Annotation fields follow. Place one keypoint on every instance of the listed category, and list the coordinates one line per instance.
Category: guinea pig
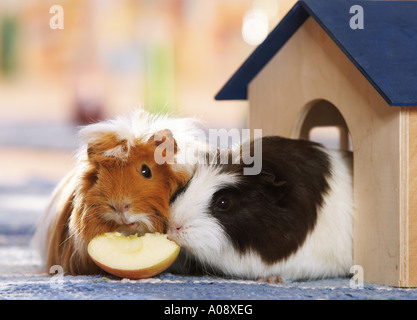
(116, 185)
(292, 221)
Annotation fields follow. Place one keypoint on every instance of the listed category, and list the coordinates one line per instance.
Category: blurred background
(66, 63)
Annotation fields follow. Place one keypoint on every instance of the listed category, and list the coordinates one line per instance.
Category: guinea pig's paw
(271, 279)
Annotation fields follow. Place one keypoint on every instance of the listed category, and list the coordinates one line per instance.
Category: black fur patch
(273, 212)
(178, 192)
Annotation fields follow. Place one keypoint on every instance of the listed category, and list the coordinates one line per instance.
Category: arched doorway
(322, 122)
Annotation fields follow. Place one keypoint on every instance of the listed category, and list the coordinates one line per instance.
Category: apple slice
(132, 256)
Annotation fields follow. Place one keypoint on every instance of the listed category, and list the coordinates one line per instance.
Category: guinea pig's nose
(177, 228)
(126, 207)
(174, 232)
(121, 207)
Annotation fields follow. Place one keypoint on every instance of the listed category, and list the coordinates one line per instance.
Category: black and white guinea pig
(292, 221)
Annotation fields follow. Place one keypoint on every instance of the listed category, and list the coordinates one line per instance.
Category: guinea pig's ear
(272, 179)
(277, 186)
(166, 146)
(107, 146)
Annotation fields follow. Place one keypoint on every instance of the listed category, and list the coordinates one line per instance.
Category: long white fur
(327, 251)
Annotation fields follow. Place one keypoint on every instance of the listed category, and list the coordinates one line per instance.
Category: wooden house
(321, 66)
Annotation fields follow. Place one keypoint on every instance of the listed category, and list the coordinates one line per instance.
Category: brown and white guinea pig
(116, 185)
(291, 221)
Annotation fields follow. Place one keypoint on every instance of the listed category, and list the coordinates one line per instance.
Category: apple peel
(133, 257)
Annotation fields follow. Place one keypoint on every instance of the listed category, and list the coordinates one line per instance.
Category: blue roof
(385, 51)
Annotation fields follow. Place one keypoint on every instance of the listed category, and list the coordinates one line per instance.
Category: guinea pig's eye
(223, 204)
(145, 171)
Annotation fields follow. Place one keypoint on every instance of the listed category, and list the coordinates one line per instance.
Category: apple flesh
(133, 257)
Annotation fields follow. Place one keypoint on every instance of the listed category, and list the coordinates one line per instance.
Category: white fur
(327, 251)
(189, 212)
(143, 220)
(130, 218)
(60, 195)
